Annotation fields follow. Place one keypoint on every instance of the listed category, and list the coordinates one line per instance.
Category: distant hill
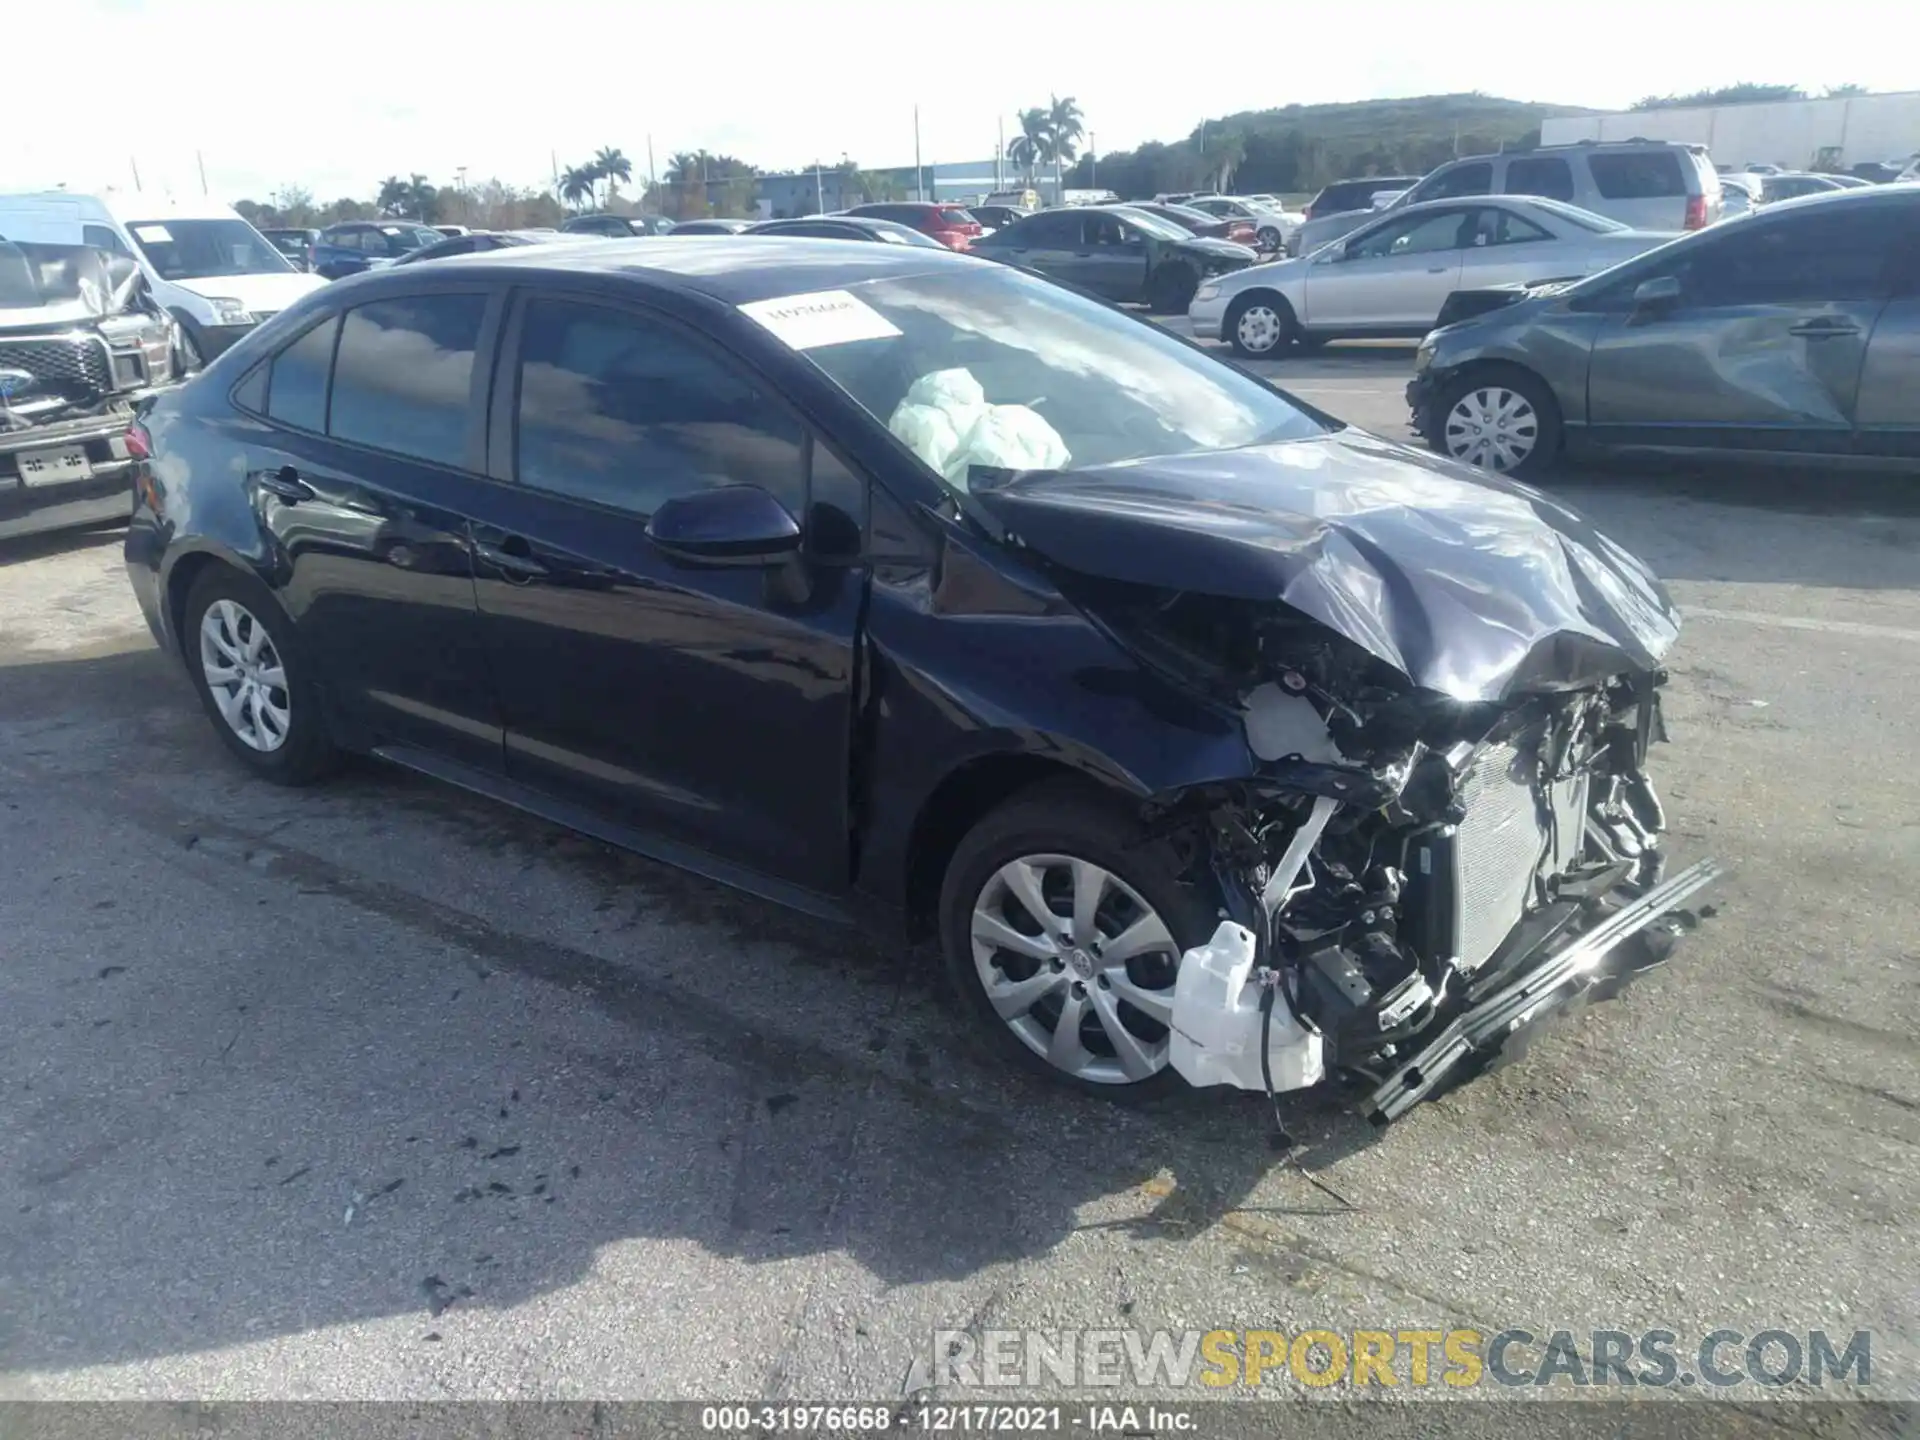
(1299, 148)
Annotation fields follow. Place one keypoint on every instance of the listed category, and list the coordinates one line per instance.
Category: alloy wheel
(1492, 427)
(1079, 967)
(1260, 329)
(245, 675)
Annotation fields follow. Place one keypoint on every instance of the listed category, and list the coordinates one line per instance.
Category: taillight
(139, 443)
(1307, 213)
(1696, 213)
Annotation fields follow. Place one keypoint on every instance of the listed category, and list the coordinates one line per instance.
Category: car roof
(1898, 193)
(751, 268)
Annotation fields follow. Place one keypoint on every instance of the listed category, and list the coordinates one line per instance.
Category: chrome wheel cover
(1259, 328)
(1492, 427)
(1078, 965)
(245, 676)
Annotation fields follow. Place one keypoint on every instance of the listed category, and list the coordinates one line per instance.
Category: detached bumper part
(1559, 978)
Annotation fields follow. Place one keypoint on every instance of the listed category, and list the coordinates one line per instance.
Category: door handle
(1823, 329)
(284, 484)
(1438, 269)
(508, 561)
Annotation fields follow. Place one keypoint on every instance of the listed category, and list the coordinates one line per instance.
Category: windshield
(197, 249)
(1155, 225)
(993, 367)
(1574, 215)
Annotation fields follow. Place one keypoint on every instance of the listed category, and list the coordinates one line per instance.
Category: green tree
(1846, 92)
(423, 200)
(1065, 130)
(393, 196)
(1029, 147)
(576, 184)
(613, 167)
(1745, 93)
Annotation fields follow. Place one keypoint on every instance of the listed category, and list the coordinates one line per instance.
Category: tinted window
(1474, 179)
(1504, 227)
(1419, 236)
(1638, 175)
(624, 412)
(1106, 230)
(1549, 176)
(1835, 256)
(404, 374)
(297, 381)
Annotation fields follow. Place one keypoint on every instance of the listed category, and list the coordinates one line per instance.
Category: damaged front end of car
(1449, 687)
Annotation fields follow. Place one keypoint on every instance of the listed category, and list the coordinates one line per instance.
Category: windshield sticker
(153, 234)
(825, 317)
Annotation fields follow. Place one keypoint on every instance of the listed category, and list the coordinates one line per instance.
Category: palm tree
(576, 184)
(1029, 147)
(613, 166)
(1224, 156)
(393, 197)
(423, 201)
(1064, 131)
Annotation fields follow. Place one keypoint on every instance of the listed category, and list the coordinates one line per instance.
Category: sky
(332, 95)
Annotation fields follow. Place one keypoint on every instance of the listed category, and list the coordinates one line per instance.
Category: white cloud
(334, 94)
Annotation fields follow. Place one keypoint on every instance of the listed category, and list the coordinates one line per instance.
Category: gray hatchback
(1793, 331)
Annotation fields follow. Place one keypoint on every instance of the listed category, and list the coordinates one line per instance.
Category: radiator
(1502, 846)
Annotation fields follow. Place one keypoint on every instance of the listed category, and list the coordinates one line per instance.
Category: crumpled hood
(1213, 248)
(1473, 585)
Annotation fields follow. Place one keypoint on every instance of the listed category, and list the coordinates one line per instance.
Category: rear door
(1393, 276)
(371, 450)
(1764, 349)
(709, 705)
(1049, 242)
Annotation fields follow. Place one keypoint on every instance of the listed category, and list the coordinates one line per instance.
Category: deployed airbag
(946, 420)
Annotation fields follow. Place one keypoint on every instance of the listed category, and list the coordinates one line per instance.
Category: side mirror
(731, 525)
(1658, 294)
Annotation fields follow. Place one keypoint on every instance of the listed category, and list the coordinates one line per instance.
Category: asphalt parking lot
(377, 1090)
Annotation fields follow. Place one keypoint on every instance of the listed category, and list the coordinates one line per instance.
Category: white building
(1794, 134)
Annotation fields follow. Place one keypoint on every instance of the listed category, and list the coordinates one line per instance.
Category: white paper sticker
(825, 317)
(155, 234)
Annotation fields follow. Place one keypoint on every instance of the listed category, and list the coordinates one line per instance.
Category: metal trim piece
(1507, 1009)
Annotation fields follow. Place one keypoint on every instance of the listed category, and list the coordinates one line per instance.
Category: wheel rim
(1078, 965)
(245, 675)
(1492, 427)
(1259, 327)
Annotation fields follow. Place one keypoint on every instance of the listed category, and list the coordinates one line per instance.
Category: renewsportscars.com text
(1456, 1358)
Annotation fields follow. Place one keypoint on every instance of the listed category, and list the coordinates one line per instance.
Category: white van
(216, 274)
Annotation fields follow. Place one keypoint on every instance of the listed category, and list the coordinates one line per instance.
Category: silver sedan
(1390, 277)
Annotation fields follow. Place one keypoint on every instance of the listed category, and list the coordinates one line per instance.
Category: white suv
(1647, 184)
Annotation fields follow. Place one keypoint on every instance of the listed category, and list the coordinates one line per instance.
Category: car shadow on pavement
(276, 1061)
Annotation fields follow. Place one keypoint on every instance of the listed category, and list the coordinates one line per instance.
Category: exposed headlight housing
(1423, 357)
(228, 311)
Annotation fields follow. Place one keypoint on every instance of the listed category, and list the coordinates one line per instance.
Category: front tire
(1062, 926)
(1260, 325)
(1500, 419)
(254, 678)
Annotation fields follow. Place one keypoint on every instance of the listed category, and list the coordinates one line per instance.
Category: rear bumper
(1568, 974)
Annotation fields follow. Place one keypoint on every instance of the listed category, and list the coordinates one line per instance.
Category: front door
(1394, 276)
(1764, 346)
(371, 452)
(1112, 260)
(711, 705)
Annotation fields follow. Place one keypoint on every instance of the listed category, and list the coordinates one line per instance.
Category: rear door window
(1499, 226)
(297, 379)
(1638, 175)
(1046, 232)
(403, 378)
(1546, 175)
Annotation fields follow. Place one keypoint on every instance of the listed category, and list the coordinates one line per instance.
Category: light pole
(460, 179)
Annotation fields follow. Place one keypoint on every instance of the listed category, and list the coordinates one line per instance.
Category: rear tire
(1260, 325)
(1269, 239)
(254, 678)
(1065, 846)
